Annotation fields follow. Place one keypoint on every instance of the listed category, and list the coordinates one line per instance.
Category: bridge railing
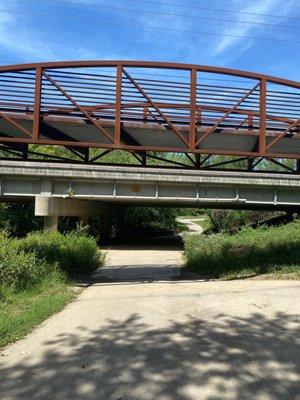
(195, 106)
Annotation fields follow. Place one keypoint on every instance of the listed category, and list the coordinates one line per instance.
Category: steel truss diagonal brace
(213, 128)
(157, 109)
(293, 125)
(81, 109)
(15, 124)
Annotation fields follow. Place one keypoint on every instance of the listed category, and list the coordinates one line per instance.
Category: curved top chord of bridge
(149, 106)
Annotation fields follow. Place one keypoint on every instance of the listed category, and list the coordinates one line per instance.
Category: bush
(33, 273)
(19, 269)
(254, 250)
(24, 262)
(136, 219)
(232, 221)
(75, 253)
(18, 219)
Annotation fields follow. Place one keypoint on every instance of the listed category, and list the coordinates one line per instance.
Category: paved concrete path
(142, 261)
(162, 339)
(193, 228)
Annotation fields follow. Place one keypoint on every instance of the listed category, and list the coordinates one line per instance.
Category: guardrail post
(37, 104)
(193, 108)
(118, 106)
(262, 117)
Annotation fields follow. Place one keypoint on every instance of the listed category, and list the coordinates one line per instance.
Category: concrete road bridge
(83, 190)
(152, 110)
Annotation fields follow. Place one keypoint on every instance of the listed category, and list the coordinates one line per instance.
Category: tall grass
(75, 252)
(259, 250)
(19, 269)
(24, 262)
(22, 310)
(34, 277)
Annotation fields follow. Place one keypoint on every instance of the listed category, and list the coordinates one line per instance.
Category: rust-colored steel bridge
(149, 108)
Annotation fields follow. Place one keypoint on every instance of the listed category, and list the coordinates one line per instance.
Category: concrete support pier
(51, 208)
(50, 223)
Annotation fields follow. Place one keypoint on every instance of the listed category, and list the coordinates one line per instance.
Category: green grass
(34, 276)
(74, 253)
(21, 311)
(279, 272)
(273, 252)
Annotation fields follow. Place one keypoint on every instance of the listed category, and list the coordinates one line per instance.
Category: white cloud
(15, 39)
(245, 30)
(207, 48)
(28, 43)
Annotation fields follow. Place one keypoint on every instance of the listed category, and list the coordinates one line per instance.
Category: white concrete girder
(59, 207)
(92, 190)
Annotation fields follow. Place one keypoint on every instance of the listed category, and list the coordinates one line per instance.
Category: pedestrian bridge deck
(148, 106)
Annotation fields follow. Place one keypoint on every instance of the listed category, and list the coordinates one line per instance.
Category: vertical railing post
(118, 105)
(250, 122)
(193, 108)
(145, 113)
(262, 116)
(37, 104)
(199, 116)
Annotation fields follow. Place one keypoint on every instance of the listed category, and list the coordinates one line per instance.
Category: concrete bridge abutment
(51, 208)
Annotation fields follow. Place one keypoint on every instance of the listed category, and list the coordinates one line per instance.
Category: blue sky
(48, 30)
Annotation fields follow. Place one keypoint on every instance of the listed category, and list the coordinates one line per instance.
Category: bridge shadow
(141, 259)
(226, 358)
(136, 273)
(163, 242)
